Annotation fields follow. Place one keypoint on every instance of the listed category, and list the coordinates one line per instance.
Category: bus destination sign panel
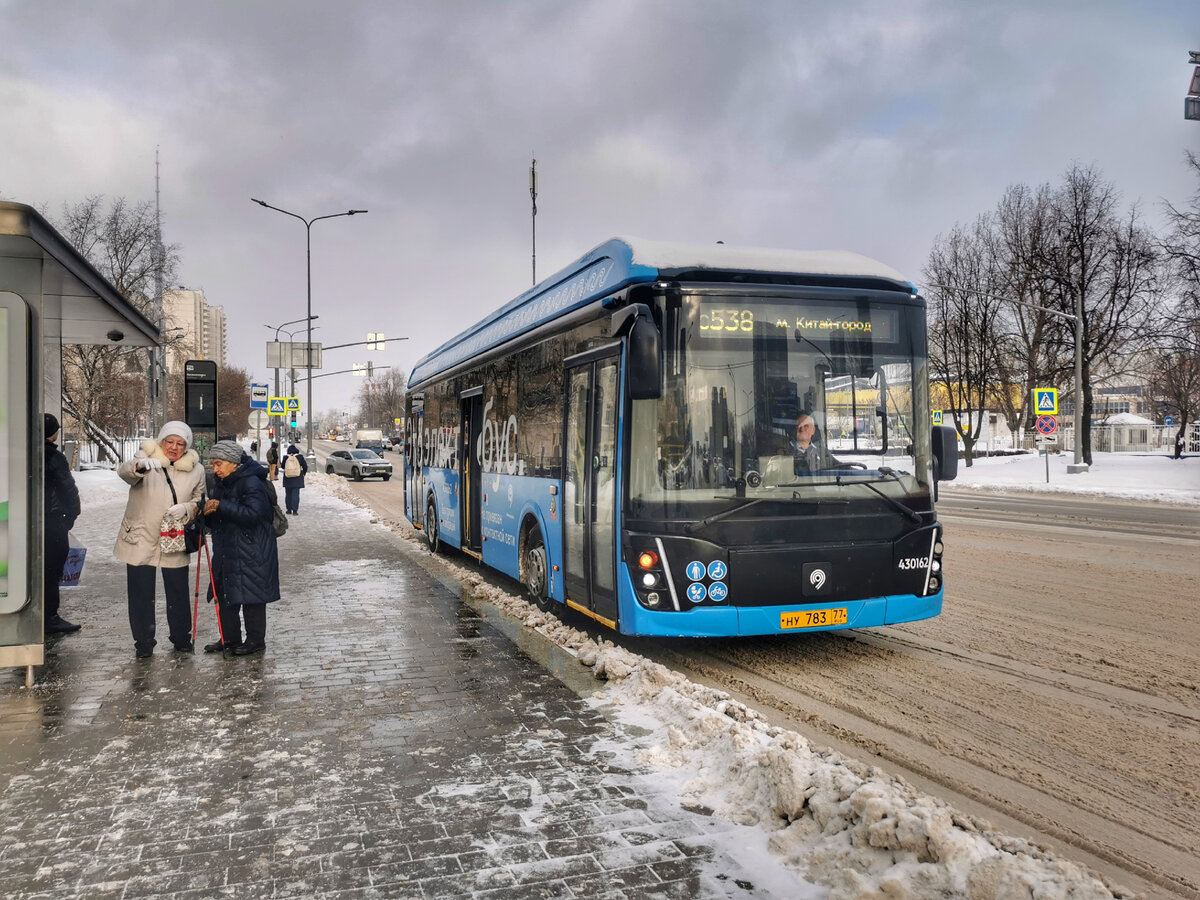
(732, 320)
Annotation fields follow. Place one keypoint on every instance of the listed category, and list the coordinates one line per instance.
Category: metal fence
(91, 454)
(1128, 438)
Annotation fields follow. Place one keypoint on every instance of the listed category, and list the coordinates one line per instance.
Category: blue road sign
(258, 396)
(278, 407)
(717, 570)
(696, 592)
(293, 403)
(1045, 401)
(695, 571)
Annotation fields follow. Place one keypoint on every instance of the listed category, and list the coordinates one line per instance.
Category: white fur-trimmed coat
(149, 500)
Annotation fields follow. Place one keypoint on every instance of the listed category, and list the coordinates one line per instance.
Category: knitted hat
(230, 451)
(179, 429)
(51, 426)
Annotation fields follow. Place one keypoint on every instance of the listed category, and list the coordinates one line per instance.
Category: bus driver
(808, 453)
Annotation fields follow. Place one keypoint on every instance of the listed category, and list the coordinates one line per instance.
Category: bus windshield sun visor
(643, 351)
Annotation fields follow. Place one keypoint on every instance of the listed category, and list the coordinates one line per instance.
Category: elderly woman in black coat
(245, 562)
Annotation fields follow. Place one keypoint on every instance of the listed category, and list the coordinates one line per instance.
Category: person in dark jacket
(245, 563)
(62, 509)
(293, 483)
(273, 460)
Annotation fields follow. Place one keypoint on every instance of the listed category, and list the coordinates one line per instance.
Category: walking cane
(199, 560)
(216, 599)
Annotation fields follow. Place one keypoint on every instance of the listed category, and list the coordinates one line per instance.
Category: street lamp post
(279, 328)
(308, 260)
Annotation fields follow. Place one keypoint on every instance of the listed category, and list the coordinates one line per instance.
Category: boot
(56, 624)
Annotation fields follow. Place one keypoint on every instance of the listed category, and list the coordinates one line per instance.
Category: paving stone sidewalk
(389, 743)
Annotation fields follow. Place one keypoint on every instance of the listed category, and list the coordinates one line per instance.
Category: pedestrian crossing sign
(277, 406)
(937, 417)
(1045, 401)
(293, 403)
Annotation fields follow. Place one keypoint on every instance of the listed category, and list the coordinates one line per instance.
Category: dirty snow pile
(844, 825)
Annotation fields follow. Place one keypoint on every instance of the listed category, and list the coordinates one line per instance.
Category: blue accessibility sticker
(717, 570)
(695, 571)
(696, 592)
(717, 591)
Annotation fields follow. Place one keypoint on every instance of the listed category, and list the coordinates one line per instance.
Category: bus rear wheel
(536, 571)
(432, 540)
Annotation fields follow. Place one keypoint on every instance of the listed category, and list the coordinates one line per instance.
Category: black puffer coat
(246, 556)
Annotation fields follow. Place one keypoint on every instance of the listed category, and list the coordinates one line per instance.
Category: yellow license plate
(813, 618)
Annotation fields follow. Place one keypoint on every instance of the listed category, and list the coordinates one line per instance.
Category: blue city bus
(627, 438)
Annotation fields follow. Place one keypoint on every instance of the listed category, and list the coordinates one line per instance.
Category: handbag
(175, 536)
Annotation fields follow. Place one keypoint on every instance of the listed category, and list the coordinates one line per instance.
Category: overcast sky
(868, 126)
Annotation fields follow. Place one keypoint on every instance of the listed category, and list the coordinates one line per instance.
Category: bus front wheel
(537, 571)
(431, 527)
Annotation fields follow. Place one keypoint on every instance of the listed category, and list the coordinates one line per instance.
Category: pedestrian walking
(166, 485)
(245, 564)
(295, 467)
(273, 460)
(62, 509)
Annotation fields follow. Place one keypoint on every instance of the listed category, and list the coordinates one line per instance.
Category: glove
(179, 511)
(147, 465)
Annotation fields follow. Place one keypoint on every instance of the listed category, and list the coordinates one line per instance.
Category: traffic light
(293, 423)
(271, 431)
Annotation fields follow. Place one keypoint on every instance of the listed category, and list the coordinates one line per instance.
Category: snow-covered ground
(834, 827)
(1128, 475)
(846, 829)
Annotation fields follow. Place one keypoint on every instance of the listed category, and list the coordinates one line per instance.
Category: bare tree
(381, 400)
(121, 240)
(1108, 266)
(1175, 372)
(1027, 360)
(1182, 248)
(966, 314)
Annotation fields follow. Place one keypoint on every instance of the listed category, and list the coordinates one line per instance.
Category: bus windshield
(799, 394)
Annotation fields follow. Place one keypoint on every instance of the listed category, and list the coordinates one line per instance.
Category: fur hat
(179, 429)
(230, 451)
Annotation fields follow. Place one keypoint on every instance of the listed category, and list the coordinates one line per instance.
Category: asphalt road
(1057, 696)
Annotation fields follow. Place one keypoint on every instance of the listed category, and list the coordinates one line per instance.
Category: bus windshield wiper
(889, 473)
(693, 527)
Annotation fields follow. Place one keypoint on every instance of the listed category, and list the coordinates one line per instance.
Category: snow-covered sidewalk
(1126, 475)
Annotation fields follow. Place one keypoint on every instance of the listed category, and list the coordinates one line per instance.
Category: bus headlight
(649, 579)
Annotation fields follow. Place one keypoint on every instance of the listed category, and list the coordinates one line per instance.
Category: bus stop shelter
(49, 296)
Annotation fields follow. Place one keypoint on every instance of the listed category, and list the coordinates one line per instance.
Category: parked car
(358, 464)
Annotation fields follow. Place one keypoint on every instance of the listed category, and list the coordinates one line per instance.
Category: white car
(358, 464)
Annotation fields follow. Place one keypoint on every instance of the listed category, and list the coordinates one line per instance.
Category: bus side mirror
(642, 351)
(945, 453)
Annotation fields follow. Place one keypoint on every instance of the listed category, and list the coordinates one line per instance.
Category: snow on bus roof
(620, 262)
(670, 255)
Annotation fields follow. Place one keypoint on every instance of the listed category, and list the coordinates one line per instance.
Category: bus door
(471, 484)
(590, 485)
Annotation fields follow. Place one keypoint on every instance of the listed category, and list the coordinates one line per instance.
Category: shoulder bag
(177, 537)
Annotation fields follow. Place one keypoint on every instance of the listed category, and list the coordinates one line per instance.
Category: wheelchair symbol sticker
(717, 591)
(695, 571)
(717, 570)
(696, 592)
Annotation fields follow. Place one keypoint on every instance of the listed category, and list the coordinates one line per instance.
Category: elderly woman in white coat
(166, 479)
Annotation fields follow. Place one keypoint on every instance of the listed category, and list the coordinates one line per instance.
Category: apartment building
(192, 328)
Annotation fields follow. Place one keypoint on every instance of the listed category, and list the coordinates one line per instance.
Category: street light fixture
(308, 256)
(279, 328)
